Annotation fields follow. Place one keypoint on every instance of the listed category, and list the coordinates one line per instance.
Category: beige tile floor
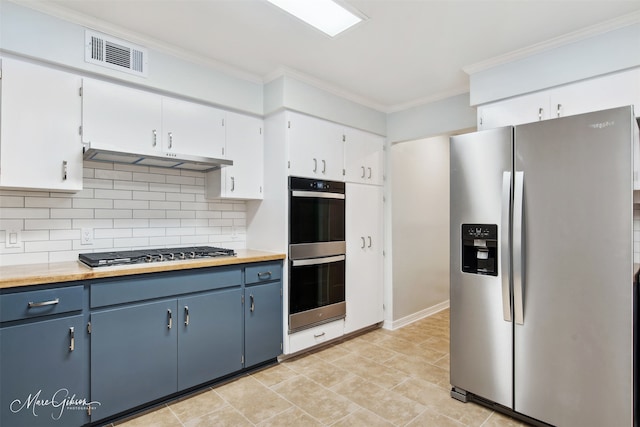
(381, 378)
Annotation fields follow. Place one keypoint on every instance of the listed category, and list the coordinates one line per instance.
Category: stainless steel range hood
(160, 160)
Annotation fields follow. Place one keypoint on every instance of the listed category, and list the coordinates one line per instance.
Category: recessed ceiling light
(326, 15)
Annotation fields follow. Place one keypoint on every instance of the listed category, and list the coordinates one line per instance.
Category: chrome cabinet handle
(253, 303)
(44, 303)
(559, 109)
(155, 137)
(170, 140)
(170, 317)
(370, 243)
(233, 184)
(264, 275)
(318, 335)
(186, 315)
(362, 171)
(540, 111)
(72, 339)
(315, 165)
(324, 166)
(65, 170)
(369, 173)
(363, 242)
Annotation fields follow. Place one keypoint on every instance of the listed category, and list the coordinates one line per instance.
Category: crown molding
(575, 36)
(460, 90)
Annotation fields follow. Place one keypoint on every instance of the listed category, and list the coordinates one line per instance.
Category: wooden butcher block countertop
(37, 274)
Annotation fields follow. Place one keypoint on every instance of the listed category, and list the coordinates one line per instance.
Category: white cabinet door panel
(363, 157)
(40, 119)
(121, 117)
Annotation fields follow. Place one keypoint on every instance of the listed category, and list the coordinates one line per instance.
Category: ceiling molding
(324, 86)
(428, 100)
(148, 42)
(585, 33)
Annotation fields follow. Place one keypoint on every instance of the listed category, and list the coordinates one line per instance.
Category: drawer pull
(72, 339)
(44, 303)
(318, 335)
(264, 275)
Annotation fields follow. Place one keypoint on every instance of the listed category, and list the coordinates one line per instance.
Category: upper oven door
(316, 218)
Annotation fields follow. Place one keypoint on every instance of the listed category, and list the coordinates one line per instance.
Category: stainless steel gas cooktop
(104, 259)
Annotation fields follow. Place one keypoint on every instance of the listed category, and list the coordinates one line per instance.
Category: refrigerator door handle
(518, 250)
(504, 246)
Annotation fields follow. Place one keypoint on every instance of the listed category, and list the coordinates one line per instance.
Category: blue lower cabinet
(263, 322)
(210, 336)
(44, 373)
(134, 354)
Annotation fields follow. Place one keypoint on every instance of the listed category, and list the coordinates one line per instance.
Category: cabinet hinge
(280, 291)
(344, 138)
(289, 165)
(222, 122)
(289, 124)
(89, 327)
(261, 189)
(80, 91)
(89, 410)
(260, 131)
(80, 130)
(242, 359)
(344, 172)
(280, 345)
(242, 299)
(223, 151)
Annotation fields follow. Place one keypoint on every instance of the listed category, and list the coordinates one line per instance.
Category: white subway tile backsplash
(126, 207)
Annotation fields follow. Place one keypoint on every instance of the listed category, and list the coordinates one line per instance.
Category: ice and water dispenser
(480, 249)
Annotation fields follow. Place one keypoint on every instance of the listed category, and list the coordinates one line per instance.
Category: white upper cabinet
(316, 148)
(121, 117)
(132, 120)
(40, 145)
(600, 93)
(245, 179)
(363, 157)
(195, 129)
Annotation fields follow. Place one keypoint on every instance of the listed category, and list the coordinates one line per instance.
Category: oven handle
(315, 261)
(317, 194)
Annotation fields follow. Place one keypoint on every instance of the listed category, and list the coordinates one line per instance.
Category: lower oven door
(316, 291)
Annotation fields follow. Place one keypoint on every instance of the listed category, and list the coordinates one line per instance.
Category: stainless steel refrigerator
(542, 307)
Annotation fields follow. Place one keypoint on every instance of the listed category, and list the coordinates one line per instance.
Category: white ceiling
(406, 52)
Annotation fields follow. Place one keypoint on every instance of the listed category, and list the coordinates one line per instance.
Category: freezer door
(481, 338)
(573, 350)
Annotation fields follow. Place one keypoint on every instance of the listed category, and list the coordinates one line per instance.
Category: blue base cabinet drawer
(44, 374)
(44, 302)
(263, 272)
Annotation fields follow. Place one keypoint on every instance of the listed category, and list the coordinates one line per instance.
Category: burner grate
(104, 259)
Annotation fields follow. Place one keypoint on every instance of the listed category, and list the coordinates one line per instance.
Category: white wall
(127, 207)
(597, 55)
(419, 179)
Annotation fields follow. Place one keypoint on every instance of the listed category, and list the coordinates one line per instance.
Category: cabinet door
(243, 180)
(364, 275)
(515, 111)
(40, 147)
(316, 148)
(134, 351)
(121, 117)
(190, 128)
(210, 338)
(38, 363)
(263, 322)
(363, 157)
(615, 90)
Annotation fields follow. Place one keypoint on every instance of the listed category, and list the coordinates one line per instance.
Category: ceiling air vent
(114, 53)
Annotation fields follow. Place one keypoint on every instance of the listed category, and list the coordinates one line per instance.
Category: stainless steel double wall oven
(316, 252)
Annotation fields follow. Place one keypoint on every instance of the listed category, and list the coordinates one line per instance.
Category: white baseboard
(430, 311)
